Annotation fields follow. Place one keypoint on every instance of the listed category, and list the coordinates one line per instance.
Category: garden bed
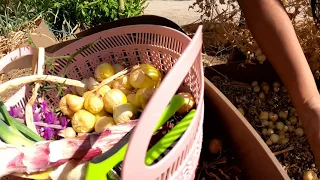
(291, 147)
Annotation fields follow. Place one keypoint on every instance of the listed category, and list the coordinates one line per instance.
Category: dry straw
(15, 39)
(225, 28)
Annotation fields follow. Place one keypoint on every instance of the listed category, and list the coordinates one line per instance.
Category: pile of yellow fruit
(117, 102)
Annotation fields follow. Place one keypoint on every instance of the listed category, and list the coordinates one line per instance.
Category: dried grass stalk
(109, 79)
(15, 39)
(225, 28)
(33, 78)
(38, 62)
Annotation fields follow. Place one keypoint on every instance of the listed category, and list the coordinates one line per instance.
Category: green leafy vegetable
(12, 138)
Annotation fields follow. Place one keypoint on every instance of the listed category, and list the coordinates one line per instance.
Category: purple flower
(49, 117)
(38, 128)
(36, 117)
(64, 122)
(16, 112)
(44, 106)
(12, 111)
(48, 133)
(55, 119)
(56, 122)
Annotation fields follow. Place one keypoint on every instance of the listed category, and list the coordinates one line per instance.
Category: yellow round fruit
(136, 100)
(103, 123)
(103, 71)
(113, 98)
(102, 91)
(86, 94)
(122, 82)
(130, 98)
(143, 96)
(189, 103)
(63, 106)
(124, 90)
(83, 121)
(93, 104)
(145, 76)
(74, 102)
(100, 114)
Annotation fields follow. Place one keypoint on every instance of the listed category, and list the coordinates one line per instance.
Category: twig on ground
(283, 151)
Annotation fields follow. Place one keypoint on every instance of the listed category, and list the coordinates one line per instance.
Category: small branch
(28, 109)
(55, 126)
(69, 57)
(238, 83)
(226, 176)
(29, 79)
(35, 62)
(283, 151)
(109, 79)
(38, 61)
(219, 73)
(58, 57)
(213, 175)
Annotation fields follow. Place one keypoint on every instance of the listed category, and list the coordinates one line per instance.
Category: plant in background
(15, 16)
(133, 8)
(68, 15)
(225, 29)
(17, 20)
(64, 17)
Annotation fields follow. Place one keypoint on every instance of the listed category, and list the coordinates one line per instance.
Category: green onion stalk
(13, 132)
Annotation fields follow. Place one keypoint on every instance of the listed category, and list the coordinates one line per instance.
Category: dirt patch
(270, 112)
(176, 11)
(12, 74)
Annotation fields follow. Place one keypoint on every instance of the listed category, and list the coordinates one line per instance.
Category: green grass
(64, 17)
(14, 18)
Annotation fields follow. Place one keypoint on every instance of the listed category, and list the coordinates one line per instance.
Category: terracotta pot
(256, 159)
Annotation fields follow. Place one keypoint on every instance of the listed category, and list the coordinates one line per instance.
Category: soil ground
(177, 11)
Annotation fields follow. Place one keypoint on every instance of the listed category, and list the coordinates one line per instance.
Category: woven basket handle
(134, 163)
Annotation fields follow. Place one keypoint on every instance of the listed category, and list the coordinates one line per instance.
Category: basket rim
(116, 30)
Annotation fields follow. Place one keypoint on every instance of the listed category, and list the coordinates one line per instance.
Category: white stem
(55, 126)
(109, 79)
(32, 78)
(38, 69)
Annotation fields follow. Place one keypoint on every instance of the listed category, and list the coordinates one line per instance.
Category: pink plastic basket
(179, 59)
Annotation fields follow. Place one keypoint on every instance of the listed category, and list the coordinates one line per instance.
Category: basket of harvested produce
(131, 94)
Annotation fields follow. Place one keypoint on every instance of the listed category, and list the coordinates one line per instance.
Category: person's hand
(309, 115)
